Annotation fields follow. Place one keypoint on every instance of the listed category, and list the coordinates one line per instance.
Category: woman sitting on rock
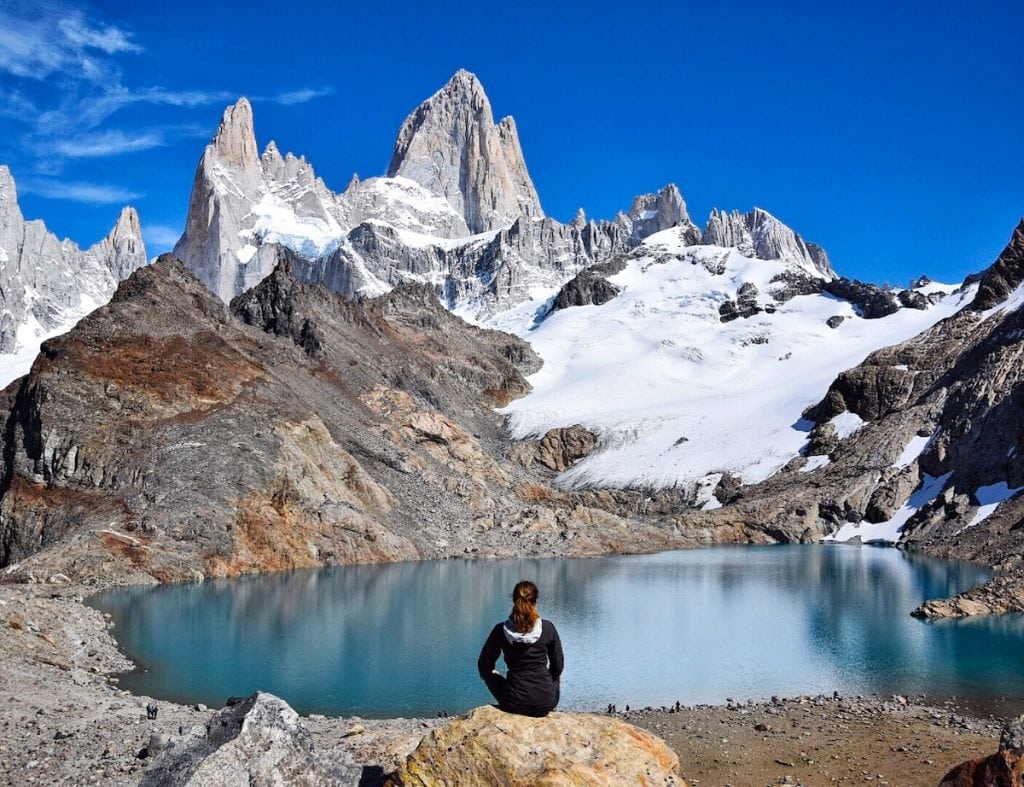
(533, 655)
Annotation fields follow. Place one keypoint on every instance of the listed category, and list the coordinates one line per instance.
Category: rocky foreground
(63, 720)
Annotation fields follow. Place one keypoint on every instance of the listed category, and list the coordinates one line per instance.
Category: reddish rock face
(1002, 769)
(1005, 768)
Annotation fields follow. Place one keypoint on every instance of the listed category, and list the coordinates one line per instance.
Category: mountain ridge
(46, 284)
(455, 179)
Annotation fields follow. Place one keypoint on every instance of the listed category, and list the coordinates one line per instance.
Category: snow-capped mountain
(458, 210)
(242, 203)
(745, 311)
(699, 366)
(48, 284)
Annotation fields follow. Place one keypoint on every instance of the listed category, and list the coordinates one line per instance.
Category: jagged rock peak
(451, 146)
(668, 202)
(127, 223)
(1004, 275)
(47, 284)
(6, 180)
(10, 213)
(651, 213)
(235, 140)
(759, 234)
(123, 249)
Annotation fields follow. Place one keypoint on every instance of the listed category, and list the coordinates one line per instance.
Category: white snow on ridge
(933, 287)
(655, 365)
(310, 236)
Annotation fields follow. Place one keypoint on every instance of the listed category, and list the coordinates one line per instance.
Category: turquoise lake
(742, 622)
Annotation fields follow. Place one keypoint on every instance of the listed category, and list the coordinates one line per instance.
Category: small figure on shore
(533, 655)
(151, 710)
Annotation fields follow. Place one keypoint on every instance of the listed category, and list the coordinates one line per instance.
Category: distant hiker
(533, 656)
(151, 710)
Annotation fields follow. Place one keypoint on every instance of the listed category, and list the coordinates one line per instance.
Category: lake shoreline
(64, 719)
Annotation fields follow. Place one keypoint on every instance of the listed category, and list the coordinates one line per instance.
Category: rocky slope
(920, 444)
(47, 284)
(169, 437)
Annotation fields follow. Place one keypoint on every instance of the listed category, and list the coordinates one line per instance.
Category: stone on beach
(489, 746)
(260, 741)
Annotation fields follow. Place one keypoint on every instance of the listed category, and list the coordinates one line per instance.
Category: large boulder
(1005, 768)
(489, 746)
(560, 448)
(259, 742)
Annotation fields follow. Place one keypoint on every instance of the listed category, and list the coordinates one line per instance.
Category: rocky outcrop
(793, 282)
(260, 742)
(760, 235)
(586, 288)
(1004, 593)
(489, 746)
(1004, 275)
(558, 449)
(744, 306)
(47, 284)
(871, 302)
(451, 146)
(1005, 768)
(651, 213)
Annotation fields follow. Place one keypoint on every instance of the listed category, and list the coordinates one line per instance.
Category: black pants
(497, 684)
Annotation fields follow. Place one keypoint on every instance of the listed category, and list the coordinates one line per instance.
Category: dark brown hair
(524, 606)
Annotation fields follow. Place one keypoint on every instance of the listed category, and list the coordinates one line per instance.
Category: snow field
(674, 393)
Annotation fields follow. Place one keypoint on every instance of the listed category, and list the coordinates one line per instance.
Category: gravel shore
(64, 720)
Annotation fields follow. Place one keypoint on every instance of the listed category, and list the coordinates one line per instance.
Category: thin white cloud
(109, 39)
(90, 193)
(108, 143)
(62, 87)
(76, 113)
(15, 105)
(51, 38)
(160, 237)
(25, 50)
(293, 97)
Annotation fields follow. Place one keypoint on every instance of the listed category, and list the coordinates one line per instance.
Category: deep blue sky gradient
(890, 133)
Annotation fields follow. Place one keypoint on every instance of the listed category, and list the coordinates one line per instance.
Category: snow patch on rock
(889, 531)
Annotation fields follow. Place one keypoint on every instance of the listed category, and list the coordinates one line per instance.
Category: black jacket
(533, 668)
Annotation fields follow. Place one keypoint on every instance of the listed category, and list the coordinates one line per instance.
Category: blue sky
(890, 133)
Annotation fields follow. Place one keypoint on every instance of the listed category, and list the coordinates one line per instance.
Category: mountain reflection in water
(694, 626)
